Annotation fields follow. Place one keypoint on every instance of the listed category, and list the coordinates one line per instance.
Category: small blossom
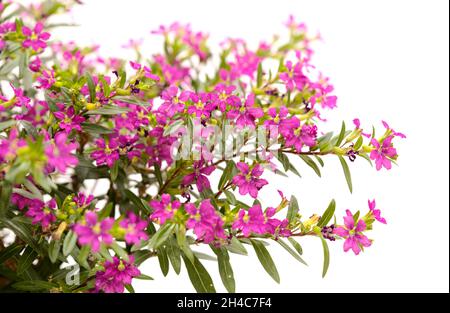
(68, 119)
(36, 38)
(376, 212)
(199, 177)
(251, 221)
(206, 223)
(353, 234)
(41, 213)
(107, 153)
(164, 209)
(60, 154)
(94, 232)
(383, 153)
(134, 229)
(46, 79)
(116, 275)
(248, 180)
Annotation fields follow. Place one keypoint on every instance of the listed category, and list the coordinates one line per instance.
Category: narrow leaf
(265, 259)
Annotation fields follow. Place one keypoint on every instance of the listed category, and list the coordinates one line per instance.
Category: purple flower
(134, 229)
(68, 119)
(274, 226)
(35, 65)
(59, 154)
(164, 209)
(46, 79)
(248, 180)
(82, 201)
(173, 103)
(107, 153)
(383, 153)
(41, 213)
(9, 146)
(93, 232)
(251, 221)
(206, 223)
(297, 135)
(376, 212)
(36, 39)
(199, 176)
(247, 114)
(116, 275)
(353, 234)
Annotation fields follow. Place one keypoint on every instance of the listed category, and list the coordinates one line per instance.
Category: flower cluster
(180, 149)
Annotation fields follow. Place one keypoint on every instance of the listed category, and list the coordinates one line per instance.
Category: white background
(388, 60)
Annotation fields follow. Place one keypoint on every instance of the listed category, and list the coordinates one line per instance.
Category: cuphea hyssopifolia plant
(106, 163)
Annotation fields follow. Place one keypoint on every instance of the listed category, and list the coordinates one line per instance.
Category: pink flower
(274, 226)
(107, 153)
(297, 135)
(82, 201)
(206, 223)
(248, 180)
(36, 39)
(41, 213)
(173, 103)
(204, 104)
(375, 212)
(68, 119)
(251, 221)
(199, 176)
(134, 229)
(294, 76)
(353, 234)
(47, 79)
(147, 71)
(35, 65)
(9, 146)
(93, 232)
(60, 154)
(383, 153)
(164, 209)
(116, 275)
(247, 114)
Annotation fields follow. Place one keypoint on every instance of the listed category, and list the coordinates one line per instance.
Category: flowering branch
(179, 156)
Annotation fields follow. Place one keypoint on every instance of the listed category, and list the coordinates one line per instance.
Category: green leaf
(25, 260)
(326, 257)
(83, 255)
(291, 251)
(24, 232)
(119, 251)
(34, 285)
(53, 250)
(91, 87)
(144, 277)
(225, 269)
(7, 124)
(109, 110)
(200, 278)
(296, 245)
(230, 197)
(115, 171)
(137, 201)
(158, 174)
(287, 165)
(173, 128)
(161, 235)
(9, 252)
(341, 135)
(265, 259)
(95, 129)
(358, 143)
(292, 209)
(347, 174)
(163, 260)
(130, 289)
(328, 214)
(5, 196)
(69, 243)
(310, 162)
(174, 254)
(235, 246)
(259, 75)
(227, 174)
